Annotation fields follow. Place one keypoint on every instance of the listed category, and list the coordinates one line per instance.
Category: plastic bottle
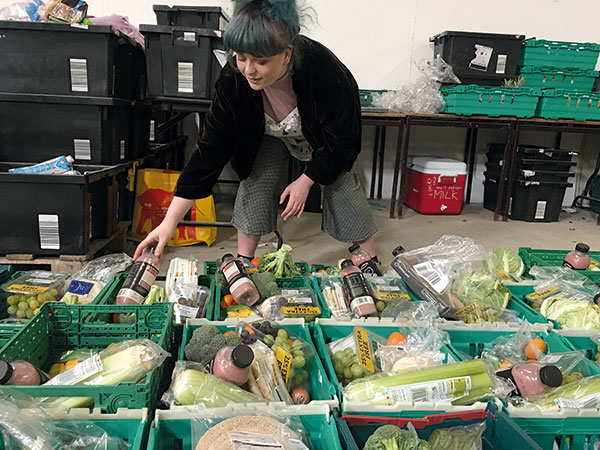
(578, 259)
(20, 373)
(240, 285)
(532, 378)
(140, 279)
(363, 260)
(233, 364)
(357, 291)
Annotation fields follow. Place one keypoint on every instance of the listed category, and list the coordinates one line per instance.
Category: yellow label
(365, 357)
(284, 361)
(391, 296)
(242, 313)
(27, 288)
(504, 275)
(593, 265)
(301, 310)
(538, 295)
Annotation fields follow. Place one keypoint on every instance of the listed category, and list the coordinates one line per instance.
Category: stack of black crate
(541, 179)
(67, 90)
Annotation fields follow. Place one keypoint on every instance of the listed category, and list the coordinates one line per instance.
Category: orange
(396, 338)
(71, 363)
(530, 351)
(255, 262)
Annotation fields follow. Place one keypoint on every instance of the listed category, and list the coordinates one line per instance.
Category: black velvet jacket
(330, 114)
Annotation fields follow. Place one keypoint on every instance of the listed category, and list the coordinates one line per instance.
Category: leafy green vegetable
(507, 261)
(480, 286)
(391, 437)
(193, 386)
(265, 283)
(572, 313)
(459, 438)
(279, 263)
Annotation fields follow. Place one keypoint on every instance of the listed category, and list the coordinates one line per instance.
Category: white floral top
(289, 130)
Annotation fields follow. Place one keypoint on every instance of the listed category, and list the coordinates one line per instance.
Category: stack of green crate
(565, 72)
(544, 257)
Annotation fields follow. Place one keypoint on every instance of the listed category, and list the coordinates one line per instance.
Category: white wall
(379, 40)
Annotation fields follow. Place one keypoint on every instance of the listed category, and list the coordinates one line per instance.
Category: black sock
(376, 259)
(249, 258)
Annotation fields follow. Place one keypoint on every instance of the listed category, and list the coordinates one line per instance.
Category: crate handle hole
(544, 79)
(553, 78)
(491, 97)
(578, 103)
(590, 104)
(480, 98)
(568, 102)
(512, 99)
(572, 80)
(502, 99)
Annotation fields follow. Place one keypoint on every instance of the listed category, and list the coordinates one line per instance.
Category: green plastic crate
(366, 96)
(542, 257)
(131, 425)
(560, 104)
(566, 433)
(327, 330)
(283, 283)
(501, 433)
(538, 77)
(211, 267)
(322, 388)
(173, 429)
(539, 52)
(58, 327)
(490, 101)
(5, 272)
(581, 342)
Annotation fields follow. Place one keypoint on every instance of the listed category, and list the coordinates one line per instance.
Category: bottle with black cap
(20, 373)
(363, 260)
(233, 364)
(356, 290)
(578, 259)
(532, 378)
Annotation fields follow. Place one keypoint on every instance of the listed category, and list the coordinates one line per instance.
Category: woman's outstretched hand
(297, 191)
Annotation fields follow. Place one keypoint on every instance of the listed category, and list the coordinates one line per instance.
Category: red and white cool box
(435, 185)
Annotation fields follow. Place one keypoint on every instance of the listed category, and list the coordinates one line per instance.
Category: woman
(281, 93)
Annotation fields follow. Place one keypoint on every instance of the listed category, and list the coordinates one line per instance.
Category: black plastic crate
(60, 59)
(479, 58)
(494, 170)
(162, 136)
(56, 214)
(181, 61)
(537, 152)
(140, 130)
(529, 201)
(211, 17)
(533, 164)
(35, 128)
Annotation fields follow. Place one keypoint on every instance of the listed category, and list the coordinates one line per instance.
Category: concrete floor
(310, 244)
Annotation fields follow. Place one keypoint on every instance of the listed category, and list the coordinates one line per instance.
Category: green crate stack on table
(545, 257)
(565, 71)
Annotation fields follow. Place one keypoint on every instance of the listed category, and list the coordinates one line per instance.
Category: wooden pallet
(72, 263)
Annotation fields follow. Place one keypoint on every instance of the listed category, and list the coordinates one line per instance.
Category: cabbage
(507, 261)
(572, 313)
(480, 286)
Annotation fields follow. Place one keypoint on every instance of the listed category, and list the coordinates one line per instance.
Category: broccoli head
(265, 283)
(232, 339)
(204, 344)
(391, 437)
(394, 308)
(279, 263)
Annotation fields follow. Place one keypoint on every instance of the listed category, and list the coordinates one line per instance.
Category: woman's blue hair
(262, 27)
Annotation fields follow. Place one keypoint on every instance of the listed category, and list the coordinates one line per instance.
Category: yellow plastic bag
(153, 195)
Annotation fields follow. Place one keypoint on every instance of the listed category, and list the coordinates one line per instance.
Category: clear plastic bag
(16, 11)
(467, 437)
(36, 282)
(266, 379)
(480, 286)
(104, 268)
(512, 349)
(192, 385)
(37, 429)
(428, 271)
(422, 95)
(405, 311)
(581, 394)
(355, 355)
(506, 264)
(248, 428)
(560, 281)
(122, 24)
(292, 303)
(293, 355)
(478, 312)
(333, 294)
(190, 301)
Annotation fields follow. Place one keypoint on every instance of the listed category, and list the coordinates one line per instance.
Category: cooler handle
(447, 179)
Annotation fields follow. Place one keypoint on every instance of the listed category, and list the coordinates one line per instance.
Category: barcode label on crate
(185, 77)
(189, 36)
(152, 128)
(510, 202)
(48, 227)
(433, 276)
(501, 64)
(430, 391)
(122, 149)
(540, 210)
(79, 75)
(221, 56)
(83, 149)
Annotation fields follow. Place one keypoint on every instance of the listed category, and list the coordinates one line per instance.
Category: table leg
(402, 172)
(471, 164)
(374, 168)
(396, 168)
(381, 157)
(509, 150)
